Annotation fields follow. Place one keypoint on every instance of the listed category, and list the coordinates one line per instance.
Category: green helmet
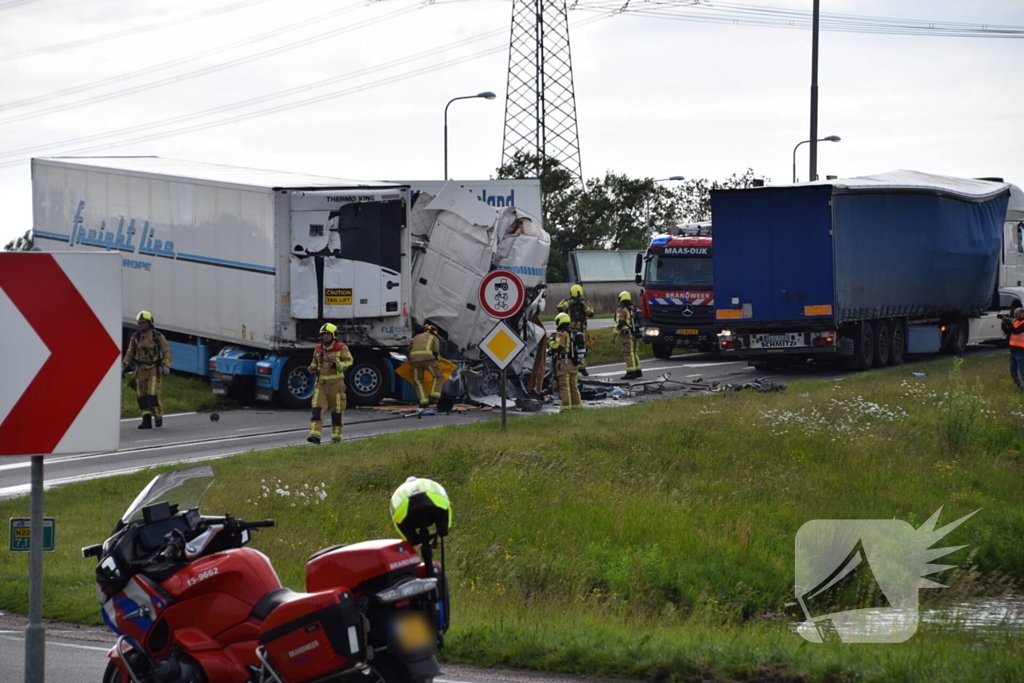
(561, 319)
(330, 328)
(576, 291)
(416, 505)
(144, 315)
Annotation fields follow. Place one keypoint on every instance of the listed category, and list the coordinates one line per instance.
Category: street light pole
(484, 95)
(830, 138)
(813, 174)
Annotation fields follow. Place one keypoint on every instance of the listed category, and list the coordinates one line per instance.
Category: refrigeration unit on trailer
(863, 269)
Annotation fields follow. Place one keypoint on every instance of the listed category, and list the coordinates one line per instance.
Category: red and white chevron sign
(60, 326)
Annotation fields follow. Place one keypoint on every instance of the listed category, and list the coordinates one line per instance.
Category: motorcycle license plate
(686, 330)
(414, 632)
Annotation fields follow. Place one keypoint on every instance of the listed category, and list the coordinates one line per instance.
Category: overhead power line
(433, 51)
(131, 31)
(203, 71)
(775, 17)
(184, 60)
(310, 100)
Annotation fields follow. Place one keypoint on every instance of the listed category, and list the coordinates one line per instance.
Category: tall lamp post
(484, 95)
(675, 177)
(830, 138)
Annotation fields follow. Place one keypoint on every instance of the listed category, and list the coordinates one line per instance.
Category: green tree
(693, 196)
(23, 243)
(613, 212)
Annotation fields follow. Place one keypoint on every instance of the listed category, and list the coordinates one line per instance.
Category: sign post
(502, 345)
(48, 301)
(502, 295)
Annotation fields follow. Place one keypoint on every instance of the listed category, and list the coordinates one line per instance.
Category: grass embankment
(651, 541)
(178, 394)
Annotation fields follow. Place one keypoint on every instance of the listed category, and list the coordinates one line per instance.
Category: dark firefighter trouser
(147, 390)
(568, 377)
(328, 396)
(431, 366)
(630, 352)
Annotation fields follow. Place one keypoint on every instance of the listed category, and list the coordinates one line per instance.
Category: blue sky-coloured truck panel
(773, 251)
(914, 254)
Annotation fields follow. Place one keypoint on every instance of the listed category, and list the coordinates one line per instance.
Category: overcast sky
(655, 97)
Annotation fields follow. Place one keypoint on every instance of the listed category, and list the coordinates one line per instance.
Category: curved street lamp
(830, 138)
(488, 95)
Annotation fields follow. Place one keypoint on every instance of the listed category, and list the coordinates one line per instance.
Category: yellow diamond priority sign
(502, 345)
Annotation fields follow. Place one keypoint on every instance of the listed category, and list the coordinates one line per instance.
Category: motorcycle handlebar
(257, 525)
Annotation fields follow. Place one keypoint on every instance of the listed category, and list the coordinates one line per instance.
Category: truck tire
(662, 351)
(883, 343)
(297, 384)
(369, 380)
(956, 342)
(863, 347)
(897, 342)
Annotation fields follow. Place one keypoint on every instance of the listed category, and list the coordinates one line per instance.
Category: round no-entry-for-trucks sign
(502, 293)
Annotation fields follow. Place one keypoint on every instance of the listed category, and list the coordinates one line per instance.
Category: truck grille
(672, 314)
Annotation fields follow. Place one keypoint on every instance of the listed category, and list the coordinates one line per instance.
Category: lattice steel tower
(540, 105)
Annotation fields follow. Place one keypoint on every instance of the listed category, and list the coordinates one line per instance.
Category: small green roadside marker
(21, 534)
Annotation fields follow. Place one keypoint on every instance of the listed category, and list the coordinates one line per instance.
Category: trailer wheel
(297, 384)
(883, 343)
(956, 341)
(863, 347)
(897, 342)
(369, 381)
(662, 351)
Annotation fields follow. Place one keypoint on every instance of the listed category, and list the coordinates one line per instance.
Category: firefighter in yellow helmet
(627, 333)
(150, 356)
(579, 310)
(330, 360)
(424, 352)
(566, 372)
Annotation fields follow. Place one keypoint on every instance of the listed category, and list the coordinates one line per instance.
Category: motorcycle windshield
(182, 487)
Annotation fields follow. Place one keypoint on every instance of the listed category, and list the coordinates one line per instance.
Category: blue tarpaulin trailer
(861, 268)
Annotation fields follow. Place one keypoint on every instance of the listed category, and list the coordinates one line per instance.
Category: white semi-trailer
(241, 267)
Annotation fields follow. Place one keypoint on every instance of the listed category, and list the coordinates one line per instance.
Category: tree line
(613, 212)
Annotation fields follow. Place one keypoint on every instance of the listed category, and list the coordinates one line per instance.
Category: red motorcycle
(191, 604)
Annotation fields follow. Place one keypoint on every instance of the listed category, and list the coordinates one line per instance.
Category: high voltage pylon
(540, 104)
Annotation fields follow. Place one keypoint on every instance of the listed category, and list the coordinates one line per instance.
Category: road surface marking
(50, 642)
(132, 419)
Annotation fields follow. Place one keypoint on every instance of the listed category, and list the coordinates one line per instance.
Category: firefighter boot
(313, 439)
(637, 374)
(158, 421)
(583, 371)
(147, 422)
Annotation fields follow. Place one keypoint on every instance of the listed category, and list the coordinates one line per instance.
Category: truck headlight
(651, 332)
(725, 333)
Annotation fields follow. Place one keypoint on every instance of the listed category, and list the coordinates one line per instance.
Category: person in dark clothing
(1013, 328)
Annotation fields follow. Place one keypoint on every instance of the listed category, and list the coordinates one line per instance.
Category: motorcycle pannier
(314, 635)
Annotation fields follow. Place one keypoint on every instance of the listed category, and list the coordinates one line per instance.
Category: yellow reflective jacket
(623, 320)
(147, 349)
(332, 361)
(578, 309)
(424, 346)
